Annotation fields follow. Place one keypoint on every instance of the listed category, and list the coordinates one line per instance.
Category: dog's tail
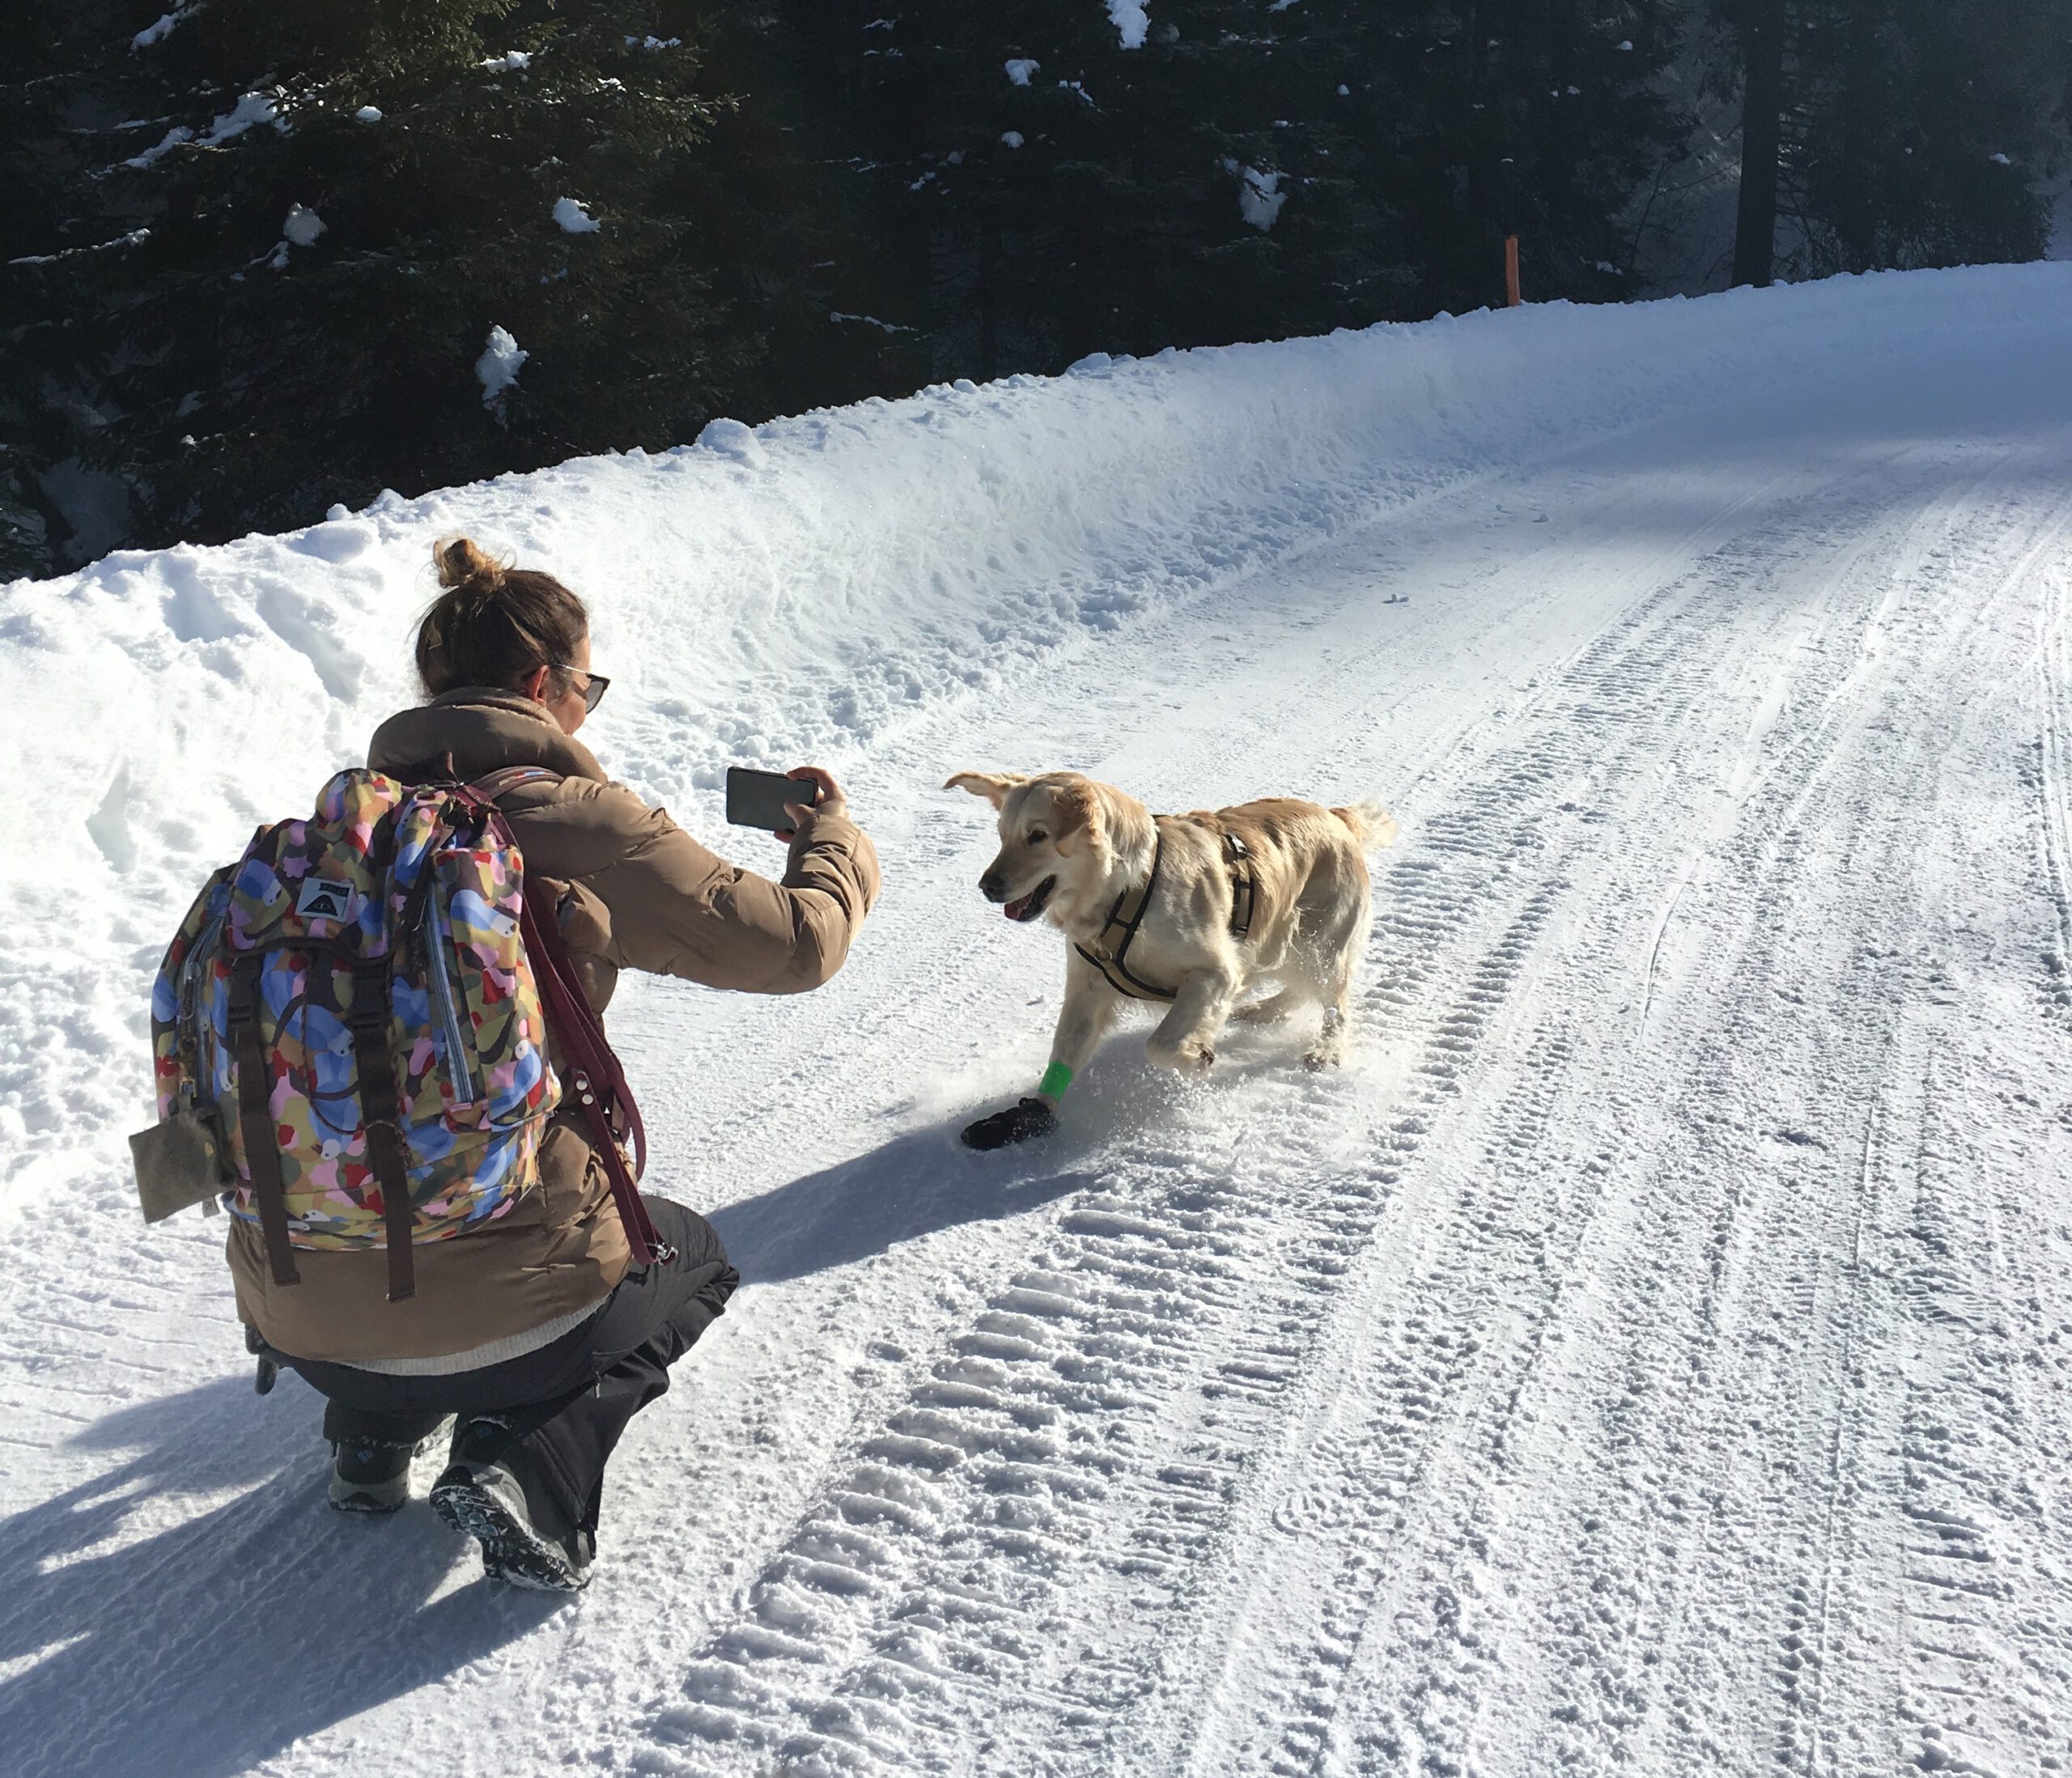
(1371, 824)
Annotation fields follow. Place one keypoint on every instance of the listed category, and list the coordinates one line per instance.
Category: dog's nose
(992, 888)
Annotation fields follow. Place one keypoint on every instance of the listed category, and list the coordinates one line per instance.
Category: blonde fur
(1091, 843)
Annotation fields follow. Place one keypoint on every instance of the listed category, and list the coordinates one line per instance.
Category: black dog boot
(1033, 1117)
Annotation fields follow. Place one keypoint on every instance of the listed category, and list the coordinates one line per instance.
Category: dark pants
(566, 1405)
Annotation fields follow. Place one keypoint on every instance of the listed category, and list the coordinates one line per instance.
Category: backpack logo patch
(325, 898)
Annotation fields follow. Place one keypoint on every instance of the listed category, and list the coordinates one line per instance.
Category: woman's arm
(676, 908)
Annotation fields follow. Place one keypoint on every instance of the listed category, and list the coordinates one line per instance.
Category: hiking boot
(526, 1541)
(371, 1477)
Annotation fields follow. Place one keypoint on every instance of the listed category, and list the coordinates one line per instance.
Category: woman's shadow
(140, 1636)
(207, 1647)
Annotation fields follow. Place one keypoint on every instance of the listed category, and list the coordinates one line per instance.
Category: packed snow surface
(1648, 1354)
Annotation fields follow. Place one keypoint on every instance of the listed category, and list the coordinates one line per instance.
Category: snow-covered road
(1647, 1354)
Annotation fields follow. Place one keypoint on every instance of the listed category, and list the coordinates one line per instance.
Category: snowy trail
(1645, 1353)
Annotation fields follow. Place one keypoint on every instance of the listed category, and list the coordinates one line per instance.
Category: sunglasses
(594, 685)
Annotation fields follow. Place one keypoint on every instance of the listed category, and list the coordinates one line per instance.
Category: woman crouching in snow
(533, 1329)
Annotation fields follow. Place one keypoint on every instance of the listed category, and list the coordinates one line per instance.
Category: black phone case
(756, 799)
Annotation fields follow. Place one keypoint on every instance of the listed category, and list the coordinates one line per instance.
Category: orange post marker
(1511, 297)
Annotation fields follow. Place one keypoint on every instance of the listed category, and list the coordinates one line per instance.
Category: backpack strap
(508, 778)
(599, 1082)
(379, 1110)
(262, 1148)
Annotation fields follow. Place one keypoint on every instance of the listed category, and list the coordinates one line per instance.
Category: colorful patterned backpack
(351, 1032)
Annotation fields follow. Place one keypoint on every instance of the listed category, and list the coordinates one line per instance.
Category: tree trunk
(1762, 108)
(989, 297)
(1862, 97)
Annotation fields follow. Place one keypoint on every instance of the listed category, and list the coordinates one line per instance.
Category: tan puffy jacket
(638, 893)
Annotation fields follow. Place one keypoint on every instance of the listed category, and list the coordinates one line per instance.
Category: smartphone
(756, 799)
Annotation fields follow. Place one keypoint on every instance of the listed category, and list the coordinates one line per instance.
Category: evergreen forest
(262, 260)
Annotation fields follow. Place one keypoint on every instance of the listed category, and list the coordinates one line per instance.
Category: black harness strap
(1112, 961)
(1244, 886)
(262, 1148)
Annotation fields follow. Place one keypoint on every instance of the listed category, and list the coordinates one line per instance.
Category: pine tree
(791, 210)
(63, 105)
(1925, 129)
(1568, 95)
(335, 205)
(1894, 133)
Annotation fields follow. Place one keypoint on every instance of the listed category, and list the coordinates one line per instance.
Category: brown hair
(494, 625)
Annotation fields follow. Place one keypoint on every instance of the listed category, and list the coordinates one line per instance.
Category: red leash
(595, 1076)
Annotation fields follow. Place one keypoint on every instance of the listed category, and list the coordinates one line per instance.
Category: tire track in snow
(1875, 831)
(1861, 828)
(873, 1709)
(1541, 1206)
(1189, 1274)
(1418, 903)
(2053, 783)
(1179, 1286)
(1383, 1750)
(1633, 685)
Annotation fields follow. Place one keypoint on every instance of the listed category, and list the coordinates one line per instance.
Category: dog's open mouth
(1033, 903)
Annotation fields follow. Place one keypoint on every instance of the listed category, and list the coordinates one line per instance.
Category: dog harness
(1112, 960)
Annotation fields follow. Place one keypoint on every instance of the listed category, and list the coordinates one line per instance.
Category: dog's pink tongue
(1013, 910)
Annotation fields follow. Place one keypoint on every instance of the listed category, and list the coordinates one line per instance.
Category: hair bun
(464, 565)
(493, 624)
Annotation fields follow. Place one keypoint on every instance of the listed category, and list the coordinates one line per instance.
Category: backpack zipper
(437, 970)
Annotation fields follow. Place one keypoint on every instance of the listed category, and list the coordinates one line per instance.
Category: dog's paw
(1192, 1057)
(1020, 1123)
(1324, 1055)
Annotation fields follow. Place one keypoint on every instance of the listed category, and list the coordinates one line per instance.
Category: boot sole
(512, 1550)
(371, 1499)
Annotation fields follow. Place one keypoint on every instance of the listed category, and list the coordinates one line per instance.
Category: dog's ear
(992, 786)
(1076, 807)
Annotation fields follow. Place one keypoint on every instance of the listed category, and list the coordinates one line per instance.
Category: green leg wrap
(1056, 1078)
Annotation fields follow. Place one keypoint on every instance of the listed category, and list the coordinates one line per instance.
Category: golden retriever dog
(1193, 911)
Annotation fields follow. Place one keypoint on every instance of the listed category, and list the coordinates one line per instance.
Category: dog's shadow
(203, 1647)
(925, 1180)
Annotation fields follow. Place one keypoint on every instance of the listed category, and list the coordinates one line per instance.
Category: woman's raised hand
(831, 802)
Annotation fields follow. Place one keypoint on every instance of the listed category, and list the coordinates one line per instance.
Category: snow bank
(802, 590)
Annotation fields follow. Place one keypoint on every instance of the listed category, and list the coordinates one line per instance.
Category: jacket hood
(485, 730)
